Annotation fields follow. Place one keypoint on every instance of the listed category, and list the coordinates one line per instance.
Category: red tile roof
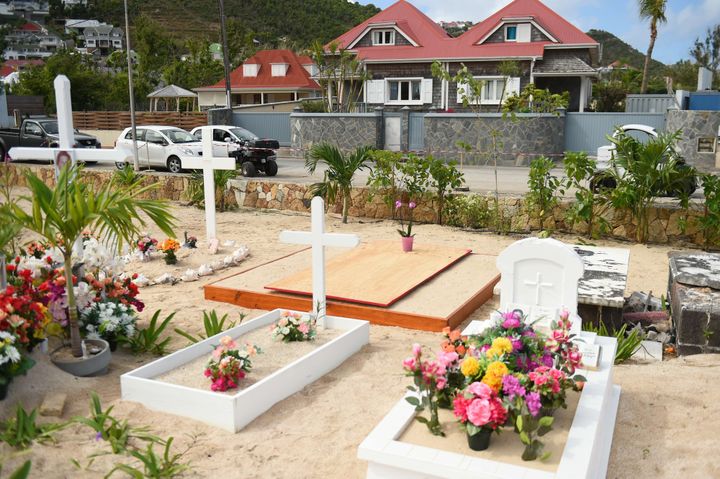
(31, 27)
(6, 70)
(434, 43)
(20, 64)
(295, 78)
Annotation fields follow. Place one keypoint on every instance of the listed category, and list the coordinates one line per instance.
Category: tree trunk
(346, 205)
(75, 340)
(648, 56)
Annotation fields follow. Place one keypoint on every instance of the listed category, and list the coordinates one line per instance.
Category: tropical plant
(444, 177)
(340, 171)
(147, 340)
(535, 100)
(468, 211)
(383, 178)
(108, 428)
(340, 75)
(644, 171)
(22, 472)
(60, 215)
(195, 192)
(589, 205)
(414, 176)
(213, 326)
(709, 222)
(22, 431)
(628, 342)
(153, 465)
(127, 176)
(653, 10)
(544, 189)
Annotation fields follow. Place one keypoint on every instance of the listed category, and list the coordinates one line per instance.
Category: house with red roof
(268, 77)
(399, 45)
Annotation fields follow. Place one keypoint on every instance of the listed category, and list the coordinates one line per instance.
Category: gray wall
(696, 124)
(266, 125)
(346, 130)
(588, 131)
(518, 141)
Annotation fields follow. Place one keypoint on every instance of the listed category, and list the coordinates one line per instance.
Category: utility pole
(226, 56)
(136, 160)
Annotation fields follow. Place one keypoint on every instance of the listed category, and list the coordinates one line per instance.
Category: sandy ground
(666, 425)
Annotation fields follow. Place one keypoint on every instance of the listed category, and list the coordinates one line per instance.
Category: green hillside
(291, 22)
(615, 49)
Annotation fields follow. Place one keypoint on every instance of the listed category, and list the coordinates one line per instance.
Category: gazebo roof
(172, 91)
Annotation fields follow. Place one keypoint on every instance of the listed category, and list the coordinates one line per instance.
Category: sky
(687, 19)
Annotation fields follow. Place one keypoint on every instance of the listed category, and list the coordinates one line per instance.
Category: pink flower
(564, 315)
(416, 348)
(398, 204)
(283, 322)
(447, 358)
(441, 382)
(228, 342)
(410, 364)
(481, 390)
(478, 412)
(412, 205)
(304, 328)
(460, 405)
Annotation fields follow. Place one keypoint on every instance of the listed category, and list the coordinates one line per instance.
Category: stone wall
(695, 125)
(346, 130)
(519, 141)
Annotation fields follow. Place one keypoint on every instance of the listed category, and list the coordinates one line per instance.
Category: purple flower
(412, 205)
(98, 436)
(529, 333)
(398, 204)
(511, 387)
(511, 323)
(516, 344)
(533, 403)
(547, 360)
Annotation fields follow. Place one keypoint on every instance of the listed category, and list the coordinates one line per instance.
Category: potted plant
(12, 362)
(406, 232)
(169, 247)
(60, 215)
(481, 412)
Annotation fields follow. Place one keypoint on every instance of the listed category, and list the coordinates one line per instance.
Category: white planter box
(585, 455)
(233, 412)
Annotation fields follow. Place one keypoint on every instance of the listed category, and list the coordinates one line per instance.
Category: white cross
(319, 239)
(538, 285)
(67, 149)
(208, 164)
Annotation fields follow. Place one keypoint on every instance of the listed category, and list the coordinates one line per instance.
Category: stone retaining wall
(518, 141)
(346, 130)
(696, 125)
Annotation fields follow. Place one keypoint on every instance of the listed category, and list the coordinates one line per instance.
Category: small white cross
(318, 239)
(538, 285)
(208, 164)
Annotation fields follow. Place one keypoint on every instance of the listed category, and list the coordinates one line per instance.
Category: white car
(605, 153)
(160, 146)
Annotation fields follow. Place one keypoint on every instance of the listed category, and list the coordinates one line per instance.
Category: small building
(31, 40)
(171, 97)
(268, 77)
(103, 38)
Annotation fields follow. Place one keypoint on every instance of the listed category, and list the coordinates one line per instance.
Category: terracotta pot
(407, 243)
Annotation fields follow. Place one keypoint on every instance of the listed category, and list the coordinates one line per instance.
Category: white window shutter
(523, 33)
(427, 90)
(462, 91)
(375, 91)
(512, 87)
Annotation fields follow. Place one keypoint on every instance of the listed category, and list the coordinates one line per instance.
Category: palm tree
(653, 10)
(339, 173)
(60, 215)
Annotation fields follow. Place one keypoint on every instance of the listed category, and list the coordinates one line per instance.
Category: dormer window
(311, 68)
(250, 69)
(383, 37)
(511, 33)
(279, 69)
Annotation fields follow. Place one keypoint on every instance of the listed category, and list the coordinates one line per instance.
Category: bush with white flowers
(109, 321)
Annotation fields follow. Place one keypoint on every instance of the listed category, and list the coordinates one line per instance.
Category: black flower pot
(4, 389)
(113, 344)
(479, 441)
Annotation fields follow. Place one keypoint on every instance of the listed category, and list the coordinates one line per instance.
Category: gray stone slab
(695, 269)
(605, 278)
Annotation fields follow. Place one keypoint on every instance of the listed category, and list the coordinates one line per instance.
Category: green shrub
(384, 177)
(153, 465)
(468, 211)
(589, 205)
(22, 430)
(545, 189)
(148, 340)
(444, 177)
(195, 192)
(628, 343)
(709, 222)
(213, 326)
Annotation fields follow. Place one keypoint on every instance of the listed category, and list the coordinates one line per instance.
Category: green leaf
(413, 400)
(542, 430)
(519, 423)
(546, 421)
(472, 429)
(421, 420)
(524, 437)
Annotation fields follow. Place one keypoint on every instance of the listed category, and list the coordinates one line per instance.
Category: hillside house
(103, 38)
(31, 40)
(268, 77)
(398, 46)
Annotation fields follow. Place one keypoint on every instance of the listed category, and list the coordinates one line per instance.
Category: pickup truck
(40, 133)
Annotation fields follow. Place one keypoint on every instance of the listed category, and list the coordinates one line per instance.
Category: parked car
(40, 133)
(252, 153)
(160, 146)
(603, 177)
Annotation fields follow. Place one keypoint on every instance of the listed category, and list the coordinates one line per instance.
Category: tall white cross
(538, 286)
(318, 239)
(208, 164)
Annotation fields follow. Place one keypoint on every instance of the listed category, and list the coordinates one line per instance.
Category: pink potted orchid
(406, 233)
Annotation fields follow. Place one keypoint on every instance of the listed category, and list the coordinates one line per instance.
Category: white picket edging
(233, 412)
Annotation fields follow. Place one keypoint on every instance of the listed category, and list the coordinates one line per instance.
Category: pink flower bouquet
(295, 327)
(228, 364)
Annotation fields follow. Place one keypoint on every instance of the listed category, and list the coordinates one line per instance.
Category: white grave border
(586, 452)
(234, 412)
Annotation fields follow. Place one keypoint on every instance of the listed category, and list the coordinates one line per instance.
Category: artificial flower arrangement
(405, 231)
(169, 246)
(295, 327)
(110, 321)
(229, 364)
(527, 374)
(12, 362)
(146, 245)
(429, 377)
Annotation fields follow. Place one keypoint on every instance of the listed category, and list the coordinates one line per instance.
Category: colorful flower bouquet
(146, 245)
(12, 362)
(169, 247)
(295, 327)
(228, 364)
(510, 376)
(109, 321)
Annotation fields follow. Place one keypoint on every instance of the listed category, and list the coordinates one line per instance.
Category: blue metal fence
(266, 125)
(417, 131)
(588, 131)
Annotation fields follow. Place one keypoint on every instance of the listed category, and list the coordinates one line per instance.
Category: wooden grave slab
(378, 273)
(444, 300)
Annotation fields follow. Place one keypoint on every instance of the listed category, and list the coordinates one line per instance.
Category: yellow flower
(494, 374)
(470, 367)
(493, 353)
(502, 344)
